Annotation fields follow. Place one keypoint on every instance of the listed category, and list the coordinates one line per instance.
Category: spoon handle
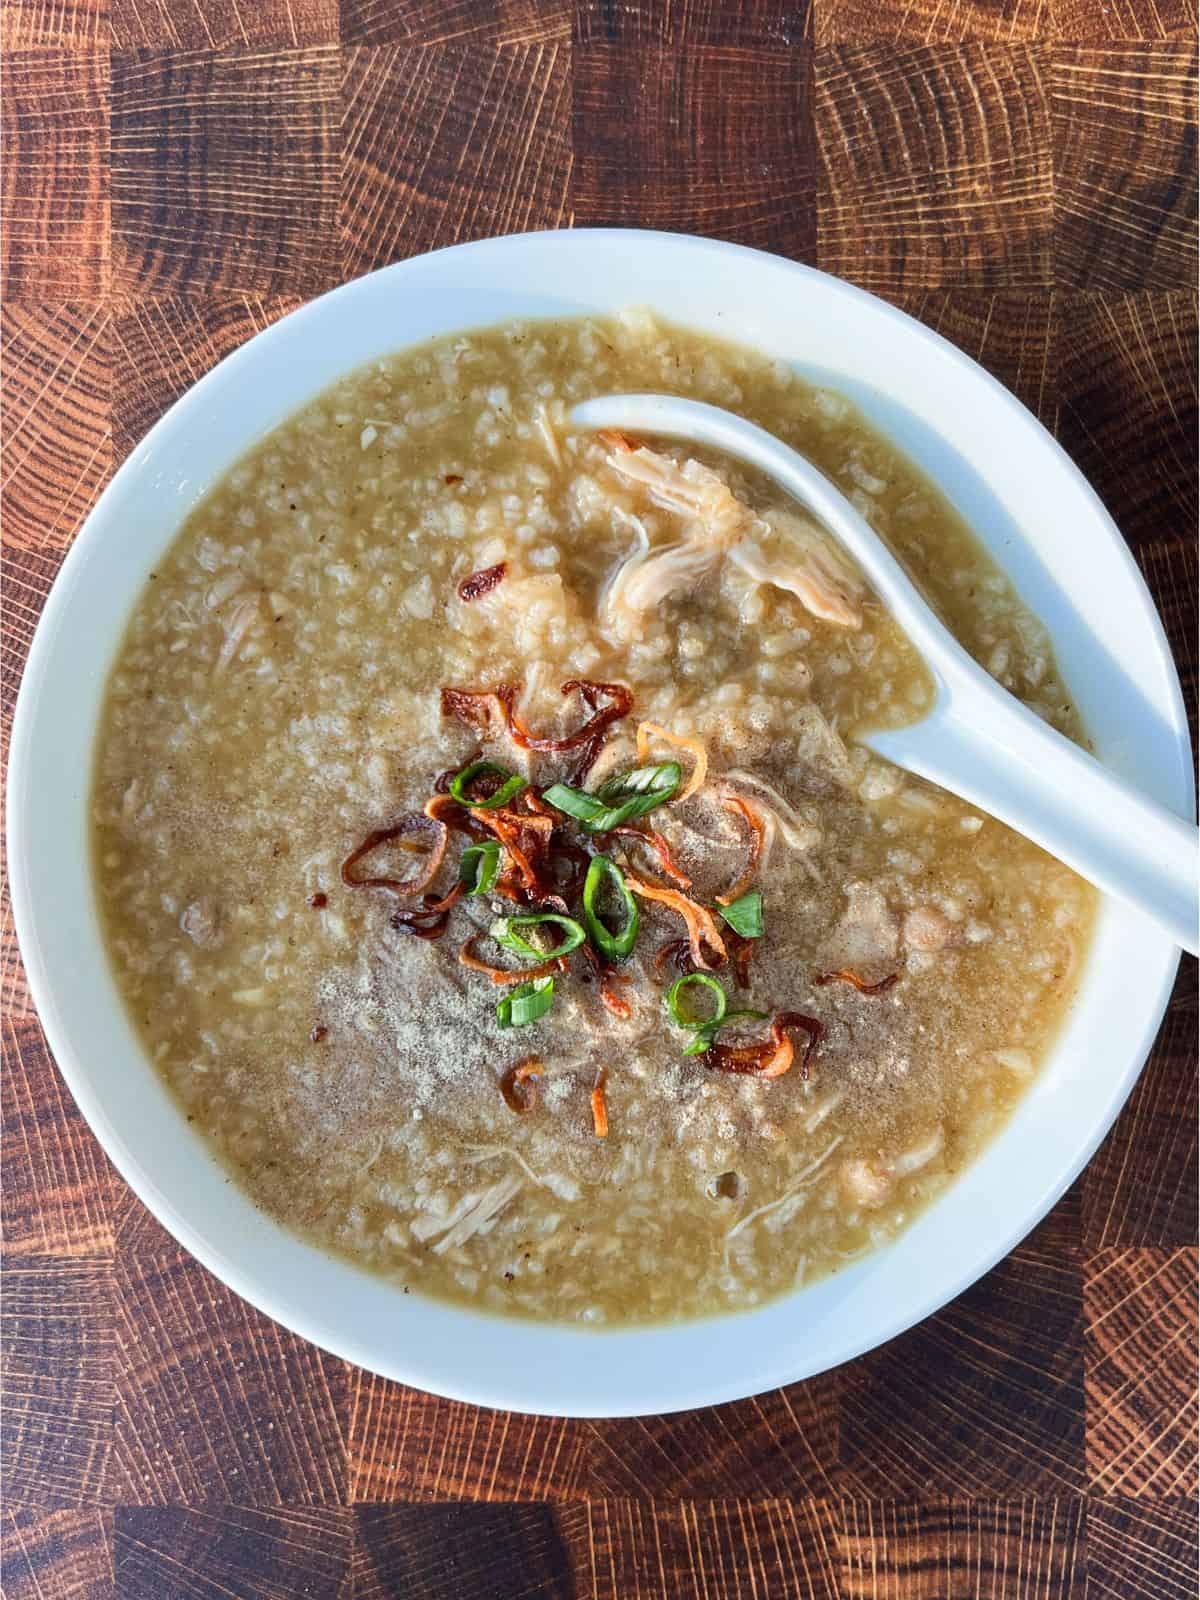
(1015, 767)
(979, 741)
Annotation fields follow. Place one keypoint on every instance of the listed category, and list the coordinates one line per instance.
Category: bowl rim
(481, 1386)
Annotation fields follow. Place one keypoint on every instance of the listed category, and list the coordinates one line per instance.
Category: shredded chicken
(244, 614)
(865, 1184)
(802, 560)
(469, 1216)
(927, 928)
(201, 922)
(781, 549)
(793, 829)
(774, 1206)
(545, 428)
(920, 1155)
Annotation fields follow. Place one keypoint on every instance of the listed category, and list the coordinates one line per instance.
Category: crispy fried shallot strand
(519, 1085)
(468, 958)
(772, 1057)
(489, 710)
(758, 833)
(592, 694)
(702, 929)
(417, 823)
(846, 975)
(481, 582)
(600, 1105)
(660, 847)
(649, 731)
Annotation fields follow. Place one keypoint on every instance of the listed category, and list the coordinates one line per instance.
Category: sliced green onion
(526, 1003)
(703, 1037)
(505, 932)
(628, 795)
(479, 867)
(460, 786)
(614, 946)
(745, 914)
(675, 1008)
(575, 802)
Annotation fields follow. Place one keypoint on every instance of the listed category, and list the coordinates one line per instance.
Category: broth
(278, 699)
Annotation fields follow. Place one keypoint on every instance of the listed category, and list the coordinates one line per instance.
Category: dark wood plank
(1141, 1352)
(933, 21)
(1141, 1549)
(1087, 22)
(56, 427)
(421, 22)
(1124, 166)
(727, 1549)
(778, 1445)
(934, 166)
(665, 22)
(54, 121)
(56, 1381)
(963, 1550)
(985, 1398)
(54, 24)
(1141, 1185)
(58, 1190)
(405, 1445)
(64, 1554)
(657, 146)
(1126, 374)
(215, 1402)
(220, 1551)
(450, 143)
(224, 170)
(462, 1552)
(222, 24)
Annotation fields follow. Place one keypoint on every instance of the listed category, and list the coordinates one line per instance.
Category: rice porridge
(488, 863)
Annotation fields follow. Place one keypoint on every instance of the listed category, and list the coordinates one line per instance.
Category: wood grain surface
(1021, 176)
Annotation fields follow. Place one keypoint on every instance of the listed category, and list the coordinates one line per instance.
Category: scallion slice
(628, 795)
(613, 946)
(675, 1007)
(460, 786)
(576, 803)
(745, 914)
(479, 867)
(703, 1037)
(526, 1003)
(506, 931)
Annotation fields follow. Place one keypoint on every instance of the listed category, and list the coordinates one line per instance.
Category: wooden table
(1020, 174)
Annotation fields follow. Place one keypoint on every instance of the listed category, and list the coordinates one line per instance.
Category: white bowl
(1024, 499)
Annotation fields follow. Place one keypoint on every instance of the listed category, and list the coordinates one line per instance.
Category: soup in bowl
(486, 868)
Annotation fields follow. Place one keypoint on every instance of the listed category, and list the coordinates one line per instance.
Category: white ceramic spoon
(978, 740)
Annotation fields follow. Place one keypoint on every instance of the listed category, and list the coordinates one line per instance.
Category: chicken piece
(870, 1183)
(866, 940)
(865, 1184)
(532, 610)
(201, 921)
(693, 490)
(805, 562)
(921, 1154)
(783, 550)
(927, 928)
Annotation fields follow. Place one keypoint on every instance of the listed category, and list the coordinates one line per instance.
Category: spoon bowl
(978, 741)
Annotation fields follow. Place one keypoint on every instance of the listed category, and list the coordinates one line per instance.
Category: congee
(489, 865)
